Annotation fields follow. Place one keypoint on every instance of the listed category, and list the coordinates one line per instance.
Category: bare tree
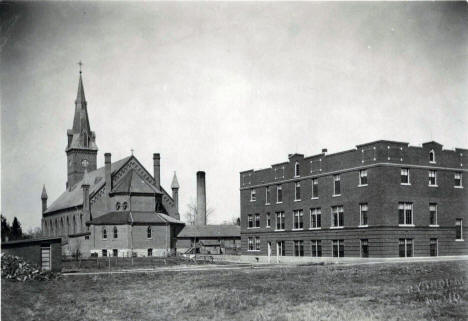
(191, 213)
(33, 233)
(234, 220)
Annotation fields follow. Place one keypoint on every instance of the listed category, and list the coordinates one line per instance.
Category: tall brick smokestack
(108, 175)
(200, 218)
(157, 170)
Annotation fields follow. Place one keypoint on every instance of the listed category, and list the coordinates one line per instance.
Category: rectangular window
(104, 252)
(315, 218)
(280, 220)
(115, 252)
(257, 220)
(432, 214)
(250, 219)
(297, 191)
(279, 194)
(458, 177)
(405, 178)
(337, 216)
(459, 229)
(280, 247)
(433, 247)
(315, 190)
(432, 178)
(297, 171)
(150, 252)
(268, 220)
(363, 211)
(257, 243)
(336, 185)
(299, 248)
(365, 248)
(405, 247)
(405, 213)
(250, 243)
(253, 195)
(363, 177)
(338, 248)
(298, 220)
(267, 195)
(316, 248)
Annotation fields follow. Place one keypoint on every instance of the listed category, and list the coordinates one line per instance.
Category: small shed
(209, 239)
(43, 252)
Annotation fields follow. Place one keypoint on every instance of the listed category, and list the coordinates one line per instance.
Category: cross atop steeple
(80, 64)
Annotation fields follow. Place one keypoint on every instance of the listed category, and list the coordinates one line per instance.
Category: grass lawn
(331, 292)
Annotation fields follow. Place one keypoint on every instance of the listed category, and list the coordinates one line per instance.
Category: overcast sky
(223, 87)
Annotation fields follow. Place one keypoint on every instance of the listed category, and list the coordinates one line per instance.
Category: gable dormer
(432, 150)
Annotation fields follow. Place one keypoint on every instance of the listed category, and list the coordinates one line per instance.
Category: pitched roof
(131, 182)
(210, 231)
(44, 193)
(175, 182)
(135, 217)
(74, 197)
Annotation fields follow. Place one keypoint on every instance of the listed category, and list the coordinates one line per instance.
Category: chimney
(44, 199)
(85, 186)
(324, 150)
(200, 218)
(107, 169)
(157, 170)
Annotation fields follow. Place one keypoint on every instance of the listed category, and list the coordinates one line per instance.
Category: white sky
(223, 87)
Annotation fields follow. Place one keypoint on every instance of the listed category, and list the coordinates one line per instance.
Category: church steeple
(81, 147)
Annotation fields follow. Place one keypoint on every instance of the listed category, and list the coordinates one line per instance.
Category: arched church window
(432, 156)
(81, 222)
(148, 232)
(56, 227)
(74, 224)
(61, 226)
(117, 206)
(116, 234)
(104, 233)
(296, 170)
(124, 206)
(68, 226)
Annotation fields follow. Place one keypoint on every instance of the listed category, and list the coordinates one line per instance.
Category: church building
(116, 210)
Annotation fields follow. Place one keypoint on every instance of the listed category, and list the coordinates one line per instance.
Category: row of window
(60, 226)
(122, 206)
(405, 218)
(115, 232)
(404, 180)
(115, 252)
(405, 247)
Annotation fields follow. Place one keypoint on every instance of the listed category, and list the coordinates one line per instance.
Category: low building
(43, 252)
(210, 239)
(381, 199)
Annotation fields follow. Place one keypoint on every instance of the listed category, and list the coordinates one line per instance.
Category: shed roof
(135, 217)
(210, 231)
(32, 241)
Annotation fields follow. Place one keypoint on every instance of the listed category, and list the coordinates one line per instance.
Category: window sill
(253, 250)
(434, 225)
(459, 187)
(297, 200)
(406, 225)
(314, 198)
(361, 185)
(459, 240)
(405, 184)
(363, 225)
(279, 202)
(433, 185)
(336, 227)
(280, 230)
(297, 229)
(253, 200)
(315, 228)
(267, 204)
(336, 195)
(269, 226)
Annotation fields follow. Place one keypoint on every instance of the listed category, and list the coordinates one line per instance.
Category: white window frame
(281, 217)
(115, 232)
(150, 230)
(257, 244)
(299, 244)
(460, 174)
(279, 188)
(432, 152)
(298, 217)
(250, 244)
(407, 175)
(459, 222)
(436, 244)
(339, 213)
(257, 220)
(406, 241)
(405, 206)
(433, 205)
(340, 244)
(336, 178)
(363, 207)
(315, 182)
(316, 243)
(267, 195)
(268, 220)
(363, 173)
(104, 233)
(315, 212)
(297, 185)
(250, 219)
(253, 195)
(432, 174)
(297, 169)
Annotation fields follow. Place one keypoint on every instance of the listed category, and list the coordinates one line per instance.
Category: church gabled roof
(74, 197)
(131, 182)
